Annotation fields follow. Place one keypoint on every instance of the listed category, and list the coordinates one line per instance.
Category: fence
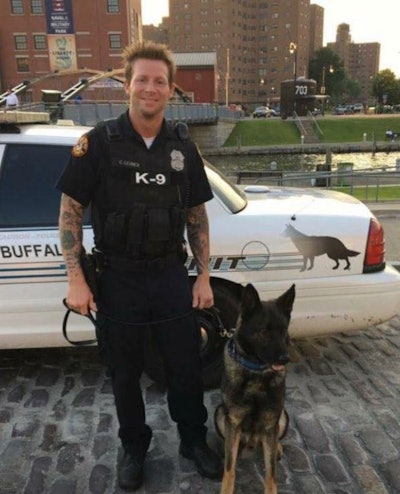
(89, 113)
(369, 183)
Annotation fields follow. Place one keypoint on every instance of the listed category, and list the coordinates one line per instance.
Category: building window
(39, 41)
(20, 42)
(114, 41)
(36, 7)
(113, 6)
(22, 64)
(17, 7)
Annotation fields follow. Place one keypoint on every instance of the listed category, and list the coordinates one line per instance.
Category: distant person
(11, 100)
(77, 99)
(389, 135)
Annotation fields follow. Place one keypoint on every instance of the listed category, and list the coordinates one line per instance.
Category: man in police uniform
(146, 183)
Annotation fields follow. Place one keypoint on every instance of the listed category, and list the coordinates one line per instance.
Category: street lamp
(323, 88)
(293, 51)
(331, 70)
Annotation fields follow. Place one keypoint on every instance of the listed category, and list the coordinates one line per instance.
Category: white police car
(327, 243)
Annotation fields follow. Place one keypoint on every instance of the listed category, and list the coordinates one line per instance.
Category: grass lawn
(372, 193)
(274, 131)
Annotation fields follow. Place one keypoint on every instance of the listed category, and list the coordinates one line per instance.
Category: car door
(32, 271)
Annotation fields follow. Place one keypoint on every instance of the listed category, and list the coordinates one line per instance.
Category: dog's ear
(250, 299)
(286, 300)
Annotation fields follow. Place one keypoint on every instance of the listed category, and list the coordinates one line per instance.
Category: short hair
(150, 51)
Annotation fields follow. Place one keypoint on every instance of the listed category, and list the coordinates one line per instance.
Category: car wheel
(226, 301)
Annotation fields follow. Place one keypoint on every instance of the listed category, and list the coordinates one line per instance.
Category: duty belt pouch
(88, 265)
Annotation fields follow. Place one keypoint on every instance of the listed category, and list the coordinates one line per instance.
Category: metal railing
(89, 113)
(369, 182)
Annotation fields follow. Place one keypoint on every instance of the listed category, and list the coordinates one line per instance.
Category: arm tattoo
(198, 236)
(70, 227)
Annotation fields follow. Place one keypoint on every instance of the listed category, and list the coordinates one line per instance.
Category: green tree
(386, 88)
(327, 70)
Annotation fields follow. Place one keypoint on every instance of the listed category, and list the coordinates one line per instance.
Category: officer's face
(149, 89)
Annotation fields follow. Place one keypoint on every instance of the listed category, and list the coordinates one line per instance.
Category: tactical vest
(139, 210)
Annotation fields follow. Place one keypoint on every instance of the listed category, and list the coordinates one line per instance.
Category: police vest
(139, 210)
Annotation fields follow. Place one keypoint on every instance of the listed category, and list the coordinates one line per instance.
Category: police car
(327, 243)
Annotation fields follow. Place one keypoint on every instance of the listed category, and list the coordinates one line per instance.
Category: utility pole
(227, 79)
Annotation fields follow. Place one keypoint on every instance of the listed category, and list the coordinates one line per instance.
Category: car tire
(226, 301)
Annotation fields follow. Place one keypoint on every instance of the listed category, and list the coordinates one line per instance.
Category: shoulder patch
(81, 147)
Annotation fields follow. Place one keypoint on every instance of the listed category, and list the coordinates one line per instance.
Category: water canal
(231, 164)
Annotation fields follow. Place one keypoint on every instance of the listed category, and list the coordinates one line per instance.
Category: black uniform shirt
(80, 178)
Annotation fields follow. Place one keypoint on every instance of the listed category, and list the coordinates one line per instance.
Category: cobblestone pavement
(58, 429)
(58, 426)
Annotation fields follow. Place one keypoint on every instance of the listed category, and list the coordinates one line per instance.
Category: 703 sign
(301, 90)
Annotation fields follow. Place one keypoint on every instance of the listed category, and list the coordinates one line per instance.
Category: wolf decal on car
(311, 246)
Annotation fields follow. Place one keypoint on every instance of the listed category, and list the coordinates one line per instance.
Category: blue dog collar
(247, 364)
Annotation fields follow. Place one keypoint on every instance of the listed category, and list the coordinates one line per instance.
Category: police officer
(145, 182)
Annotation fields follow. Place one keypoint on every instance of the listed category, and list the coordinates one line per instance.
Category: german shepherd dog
(253, 384)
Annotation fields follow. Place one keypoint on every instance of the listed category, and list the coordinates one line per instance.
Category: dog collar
(247, 364)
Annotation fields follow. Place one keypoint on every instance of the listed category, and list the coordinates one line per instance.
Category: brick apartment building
(251, 39)
(360, 60)
(41, 37)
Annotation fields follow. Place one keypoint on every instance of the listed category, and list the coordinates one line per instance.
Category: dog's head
(262, 327)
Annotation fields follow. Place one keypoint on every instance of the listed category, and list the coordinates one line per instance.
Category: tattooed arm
(79, 296)
(199, 241)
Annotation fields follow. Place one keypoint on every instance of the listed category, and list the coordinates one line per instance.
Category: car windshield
(232, 197)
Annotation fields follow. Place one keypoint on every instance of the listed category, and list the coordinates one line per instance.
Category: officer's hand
(80, 298)
(203, 297)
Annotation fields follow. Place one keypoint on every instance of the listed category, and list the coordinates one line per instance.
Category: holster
(90, 271)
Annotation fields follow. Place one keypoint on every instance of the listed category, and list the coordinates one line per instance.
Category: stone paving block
(84, 398)
(312, 432)
(369, 480)
(296, 458)
(81, 424)
(102, 445)
(37, 477)
(64, 486)
(307, 484)
(100, 479)
(352, 449)
(69, 383)
(390, 423)
(331, 469)
(391, 474)
(378, 444)
(68, 457)
(60, 410)
(159, 475)
(27, 428)
(37, 399)
(105, 422)
(50, 438)
(17, 393)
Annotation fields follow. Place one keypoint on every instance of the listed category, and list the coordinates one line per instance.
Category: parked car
(358, 108)
(328, 243)
(262, 112)
(343, 110)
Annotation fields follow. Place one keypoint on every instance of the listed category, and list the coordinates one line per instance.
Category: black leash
(212, 311)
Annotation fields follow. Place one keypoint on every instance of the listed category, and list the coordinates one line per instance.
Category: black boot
(207, 462)
(130, 468)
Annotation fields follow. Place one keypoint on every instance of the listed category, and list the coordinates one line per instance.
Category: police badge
(177, 160)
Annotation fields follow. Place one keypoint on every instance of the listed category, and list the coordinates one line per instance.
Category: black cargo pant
(138, 296)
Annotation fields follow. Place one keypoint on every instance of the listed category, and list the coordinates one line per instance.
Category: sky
(370, 21)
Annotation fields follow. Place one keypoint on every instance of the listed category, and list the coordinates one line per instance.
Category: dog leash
(213, 311)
